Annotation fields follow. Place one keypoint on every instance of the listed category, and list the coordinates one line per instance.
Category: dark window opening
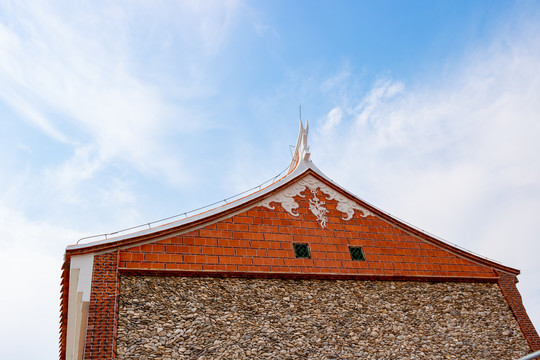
(301, 251)
(357, 253)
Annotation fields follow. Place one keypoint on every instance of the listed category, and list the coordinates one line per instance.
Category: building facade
(298, 269)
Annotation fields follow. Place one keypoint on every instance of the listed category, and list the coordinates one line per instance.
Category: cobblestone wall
(212, 318)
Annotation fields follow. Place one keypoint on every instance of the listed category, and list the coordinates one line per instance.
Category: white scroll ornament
(286, 198)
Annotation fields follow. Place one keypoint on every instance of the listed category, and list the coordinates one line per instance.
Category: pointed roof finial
(301, 151)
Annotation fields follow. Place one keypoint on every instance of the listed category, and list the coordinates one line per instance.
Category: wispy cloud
(90, 77)
(333, 119)
(213, 21)
(78, 75)
(458, 154)
(52, 71)
(79, 82)
(119, 90)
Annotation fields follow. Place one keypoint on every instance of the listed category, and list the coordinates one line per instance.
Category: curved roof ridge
(300, 162)
(418, 231)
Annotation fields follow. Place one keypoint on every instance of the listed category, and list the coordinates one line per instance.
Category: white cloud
(458, 156)
(381, 91)
(74, 74)
(30, 260)
(111, 86)
(214, 21)
(332, 120)
(51, 71)
(30, 305)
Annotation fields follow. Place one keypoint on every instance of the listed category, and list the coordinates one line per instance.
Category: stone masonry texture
(238, 318)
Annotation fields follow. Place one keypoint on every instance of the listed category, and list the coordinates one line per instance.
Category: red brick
(146, 248)
(164, 257)
(280, 253)
(157, 248)
(261, 240)
(194, 249)
(151, 257)
(101, 328)
(125, 256)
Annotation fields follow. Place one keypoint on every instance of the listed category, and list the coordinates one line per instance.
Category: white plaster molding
(345, 205)
(286, 197)
(80, 286)
(318, 209)
(85, 263)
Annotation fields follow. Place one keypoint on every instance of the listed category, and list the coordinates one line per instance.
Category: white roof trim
(300, 163)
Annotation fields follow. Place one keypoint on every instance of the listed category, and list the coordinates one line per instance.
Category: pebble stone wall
(235, 318)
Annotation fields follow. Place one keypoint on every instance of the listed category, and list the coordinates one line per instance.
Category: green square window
(301, 251)
(357, 253)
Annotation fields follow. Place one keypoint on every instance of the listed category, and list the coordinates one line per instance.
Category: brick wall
(261, 240)
(64, 297)
(102, 314)
(507, 283)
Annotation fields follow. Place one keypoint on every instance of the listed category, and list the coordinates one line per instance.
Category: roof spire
(301, 152)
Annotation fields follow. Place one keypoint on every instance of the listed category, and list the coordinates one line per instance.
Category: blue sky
(113, 115)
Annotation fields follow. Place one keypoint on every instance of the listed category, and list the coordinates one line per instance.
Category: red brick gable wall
(102, 313)
(261, 240)
(507, 283)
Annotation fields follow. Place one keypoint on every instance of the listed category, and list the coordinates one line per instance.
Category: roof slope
(302, 174)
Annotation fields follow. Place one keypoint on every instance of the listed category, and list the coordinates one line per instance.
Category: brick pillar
(507, 283)
(103, 311)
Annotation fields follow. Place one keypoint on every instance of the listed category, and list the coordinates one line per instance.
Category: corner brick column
(507, 283)
(103, 310)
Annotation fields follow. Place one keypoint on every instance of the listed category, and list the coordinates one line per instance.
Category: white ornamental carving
(286, 198)
(317, 208)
